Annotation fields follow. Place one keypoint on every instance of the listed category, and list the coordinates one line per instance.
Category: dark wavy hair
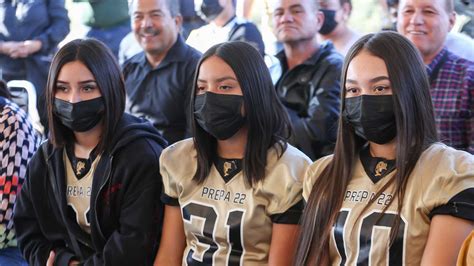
(415, 132)
(267, 121)
(102, 64)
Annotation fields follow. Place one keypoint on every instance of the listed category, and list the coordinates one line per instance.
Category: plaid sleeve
(18, 143)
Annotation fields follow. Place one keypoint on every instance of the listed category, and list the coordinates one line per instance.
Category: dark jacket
(311, 93)
(126, 213)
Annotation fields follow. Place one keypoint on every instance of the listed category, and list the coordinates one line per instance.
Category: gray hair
(172, 5)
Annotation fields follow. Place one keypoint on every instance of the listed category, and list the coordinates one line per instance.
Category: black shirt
(161, 95)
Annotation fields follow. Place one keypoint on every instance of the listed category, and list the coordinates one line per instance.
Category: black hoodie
(126, 213)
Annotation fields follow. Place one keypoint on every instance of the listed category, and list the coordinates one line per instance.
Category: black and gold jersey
(442, 182)
(229, 222)
(79, 190)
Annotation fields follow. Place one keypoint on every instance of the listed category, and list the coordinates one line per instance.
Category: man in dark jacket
(159, 79)
(119, 201)
(307, 79)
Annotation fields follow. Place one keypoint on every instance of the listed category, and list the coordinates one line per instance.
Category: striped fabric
(453, 97)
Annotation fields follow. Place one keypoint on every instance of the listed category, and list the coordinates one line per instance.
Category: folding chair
(24, 94)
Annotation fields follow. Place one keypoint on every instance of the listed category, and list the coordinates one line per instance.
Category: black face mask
(219, 114)
(329, 23)
(372, 117)
(209, 9)
(81, 116)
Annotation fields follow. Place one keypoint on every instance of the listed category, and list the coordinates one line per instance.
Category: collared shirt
(452, 91)
(161, 94)
(236, 29)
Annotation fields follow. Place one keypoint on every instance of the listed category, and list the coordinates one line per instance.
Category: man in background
(426, 23)
(308, 83)
(158, 80)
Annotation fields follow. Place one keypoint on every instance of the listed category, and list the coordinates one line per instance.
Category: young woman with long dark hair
(233, 192)
(90, 195)
(390, 194)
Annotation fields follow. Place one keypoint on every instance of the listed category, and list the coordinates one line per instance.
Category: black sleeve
(460, 206)
(291, 216)
(34, 246)
(169, 200)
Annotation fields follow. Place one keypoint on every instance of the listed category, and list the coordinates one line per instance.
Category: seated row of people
(313, 106)
(235, 193)
(306, 75)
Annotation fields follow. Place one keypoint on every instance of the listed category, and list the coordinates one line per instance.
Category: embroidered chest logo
(229, 167)
(80, 166)
(380, 168)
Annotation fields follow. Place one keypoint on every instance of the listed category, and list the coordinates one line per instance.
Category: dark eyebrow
(218, 80)
(81, 82)
(376, 79)
(225, 78)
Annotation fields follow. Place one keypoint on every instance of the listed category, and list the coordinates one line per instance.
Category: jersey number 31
(209, 215)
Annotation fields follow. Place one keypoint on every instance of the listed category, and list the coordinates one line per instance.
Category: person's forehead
(365, 66)
(148, 5)
(437, 4)
(274, 4)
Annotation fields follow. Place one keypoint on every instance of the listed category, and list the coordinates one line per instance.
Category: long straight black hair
(100, 61)
(266, 118)
(415, 132)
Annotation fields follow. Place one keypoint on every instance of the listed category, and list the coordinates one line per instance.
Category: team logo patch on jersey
(229, 166)
(80, 166)
(376, 168)
(380, 168)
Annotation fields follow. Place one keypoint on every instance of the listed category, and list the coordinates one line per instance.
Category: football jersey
(78, 192)
(442, 182)
(230, 223)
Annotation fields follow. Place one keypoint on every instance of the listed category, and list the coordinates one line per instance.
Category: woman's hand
(50, 260)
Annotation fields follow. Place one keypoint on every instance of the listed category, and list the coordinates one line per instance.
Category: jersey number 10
(367, 226)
